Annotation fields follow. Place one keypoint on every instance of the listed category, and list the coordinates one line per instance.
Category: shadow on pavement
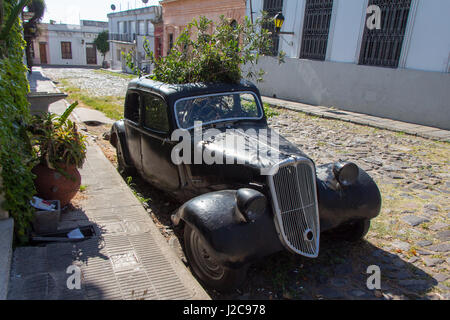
(40, 272)
(34, 78)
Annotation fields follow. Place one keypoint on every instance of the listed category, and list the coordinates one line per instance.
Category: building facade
(177, 14)
(65, 44)
(128, 31)
(384, 58)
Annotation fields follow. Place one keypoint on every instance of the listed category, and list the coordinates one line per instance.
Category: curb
(6, 239)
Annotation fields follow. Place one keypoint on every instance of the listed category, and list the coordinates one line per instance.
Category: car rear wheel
(353, 231)
(122, 167)
(206, 268)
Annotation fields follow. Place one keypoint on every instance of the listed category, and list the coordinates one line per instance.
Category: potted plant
(60, 150)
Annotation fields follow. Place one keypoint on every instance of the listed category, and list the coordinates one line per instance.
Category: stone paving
(410, 238)
(363, 119)
(409, 241)
(127, 258)
(93, 81)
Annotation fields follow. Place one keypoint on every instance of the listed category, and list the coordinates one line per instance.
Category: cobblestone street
(409, 241)
(95, 82)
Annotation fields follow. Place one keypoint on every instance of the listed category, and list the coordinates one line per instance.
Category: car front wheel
(353, 231)
(206, 268)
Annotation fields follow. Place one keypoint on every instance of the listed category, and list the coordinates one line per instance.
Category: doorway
(91, 53)
(43, 53)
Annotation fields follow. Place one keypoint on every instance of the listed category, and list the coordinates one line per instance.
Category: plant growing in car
(202, 55)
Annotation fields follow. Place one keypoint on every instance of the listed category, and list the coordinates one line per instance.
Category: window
(170, 41)
(122, 27)
(383, 47)
(316, 27)
(155, 113)
(133, 27)
(149, 27)
(132, 107)
(141, 29)
(217, 108)
(272, 7)
(66, 50)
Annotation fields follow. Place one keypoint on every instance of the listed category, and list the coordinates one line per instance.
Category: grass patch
(132, 186)
(111, 106)
(117, 74)
(270, 111)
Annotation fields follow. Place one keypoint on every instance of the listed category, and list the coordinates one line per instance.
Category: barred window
(316, 27)
(66, 50)
(272, 7)
(383, 47)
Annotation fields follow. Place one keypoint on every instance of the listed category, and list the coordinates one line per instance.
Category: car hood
(258, 147)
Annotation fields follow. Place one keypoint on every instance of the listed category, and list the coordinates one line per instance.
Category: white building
(66, 44)
(128, 31)
(399, 71)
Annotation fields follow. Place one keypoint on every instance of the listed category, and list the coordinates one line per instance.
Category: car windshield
(217, 108)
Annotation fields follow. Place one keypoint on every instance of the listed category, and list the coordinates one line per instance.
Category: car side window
(132, 107)
(155, 113)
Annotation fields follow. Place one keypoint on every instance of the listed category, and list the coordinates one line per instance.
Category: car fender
(339, 205)
(232, 239)
(118, 136)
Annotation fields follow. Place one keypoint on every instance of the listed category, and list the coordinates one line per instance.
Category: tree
(201, 55)
(37, 7)
(102, 44)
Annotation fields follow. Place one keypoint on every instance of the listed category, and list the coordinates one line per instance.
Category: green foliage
(15, 151)
(200, 55)
(57, 141)
(38, 7)
(101, 42)
(12, 18)
(269, 111)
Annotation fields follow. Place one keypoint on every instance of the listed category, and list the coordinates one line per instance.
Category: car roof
(176, 91)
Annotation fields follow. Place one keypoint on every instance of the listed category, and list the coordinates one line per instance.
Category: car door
(132, 128)
(156, 146)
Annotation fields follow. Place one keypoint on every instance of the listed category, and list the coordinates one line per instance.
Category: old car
(254, 204)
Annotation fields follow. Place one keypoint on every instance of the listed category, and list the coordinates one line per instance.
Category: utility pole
(251, 11)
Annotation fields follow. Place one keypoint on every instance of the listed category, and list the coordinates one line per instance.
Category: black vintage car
(251, 205)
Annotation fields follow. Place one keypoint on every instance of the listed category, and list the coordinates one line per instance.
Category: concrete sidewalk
(363, 119)
(125, 258)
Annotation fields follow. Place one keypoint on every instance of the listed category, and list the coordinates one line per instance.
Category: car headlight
(346, 173)
(250, 203)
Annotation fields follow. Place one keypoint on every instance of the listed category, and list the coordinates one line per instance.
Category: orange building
(178, 13)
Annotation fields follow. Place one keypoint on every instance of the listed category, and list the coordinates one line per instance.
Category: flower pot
(51, 184)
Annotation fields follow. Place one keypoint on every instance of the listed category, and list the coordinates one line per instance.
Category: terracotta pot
(52, 185)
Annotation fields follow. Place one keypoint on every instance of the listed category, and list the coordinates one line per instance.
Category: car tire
(122, 167)
(209, 272)
(353, 231)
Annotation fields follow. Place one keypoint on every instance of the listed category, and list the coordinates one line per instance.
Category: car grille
(294, 195)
